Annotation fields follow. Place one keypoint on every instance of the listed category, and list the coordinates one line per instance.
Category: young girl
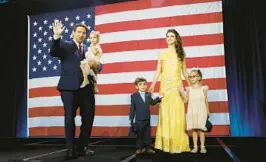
(198, 109)
(94, 53)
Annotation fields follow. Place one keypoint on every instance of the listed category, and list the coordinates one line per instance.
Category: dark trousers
(85, 100)
(143, 131)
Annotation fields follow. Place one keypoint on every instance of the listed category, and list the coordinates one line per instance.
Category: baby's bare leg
(85, 75)
(83, 66)
(96, 90)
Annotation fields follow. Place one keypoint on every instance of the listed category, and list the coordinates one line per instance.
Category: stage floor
(220, 149)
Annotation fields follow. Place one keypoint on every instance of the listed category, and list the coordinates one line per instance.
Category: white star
(88, 39)
(44, 56)
(40, 28)
(34, 46)
(44, 68)
(66, 18)
(77, 17)
(70, 36)
(83, 22)
(50, 26)
(40, 39)
(50, 38)
(55, 67)
(89, 16)
(59, 61)
(71, 24)
(39, 51)
(34, 34)
(39, 63)
(34, 57)
(49, 62)
(35, 23)
(66, 30)
(34, 69)
(89, 27)
(45, 21)
(49, 50)
(45, 33)
(44, 44)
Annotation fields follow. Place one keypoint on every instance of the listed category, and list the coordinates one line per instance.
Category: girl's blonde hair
(96, 33)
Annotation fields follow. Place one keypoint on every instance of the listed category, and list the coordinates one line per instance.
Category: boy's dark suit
(140, 110)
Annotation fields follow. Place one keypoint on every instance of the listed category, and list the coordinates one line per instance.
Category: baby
(94, 53)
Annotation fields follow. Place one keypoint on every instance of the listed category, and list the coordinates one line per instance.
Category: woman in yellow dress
(171, 129)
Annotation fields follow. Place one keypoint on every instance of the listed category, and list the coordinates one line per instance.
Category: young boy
(140, 110)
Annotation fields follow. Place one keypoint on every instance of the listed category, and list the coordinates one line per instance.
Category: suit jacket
(71, 75)
(140, 109)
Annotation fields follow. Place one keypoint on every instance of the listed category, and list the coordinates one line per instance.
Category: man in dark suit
(70, 54)
(140, 111)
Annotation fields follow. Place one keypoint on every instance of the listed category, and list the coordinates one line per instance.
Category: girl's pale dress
(197, 111)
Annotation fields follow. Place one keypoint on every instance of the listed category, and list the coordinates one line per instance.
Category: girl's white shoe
(194, 150)
(203, 150)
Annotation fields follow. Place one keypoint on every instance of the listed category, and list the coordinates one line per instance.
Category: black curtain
(13, 66)
(245, 50)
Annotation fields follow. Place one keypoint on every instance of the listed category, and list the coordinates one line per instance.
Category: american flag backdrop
(132, 36)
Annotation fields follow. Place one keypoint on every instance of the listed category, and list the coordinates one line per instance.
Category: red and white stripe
(132, 36)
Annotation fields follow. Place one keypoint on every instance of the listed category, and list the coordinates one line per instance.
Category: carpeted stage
(220, 149)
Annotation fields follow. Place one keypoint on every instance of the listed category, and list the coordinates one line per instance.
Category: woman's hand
(160, 95)
(182, 93)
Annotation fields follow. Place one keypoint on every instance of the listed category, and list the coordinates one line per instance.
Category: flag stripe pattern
(132, 36)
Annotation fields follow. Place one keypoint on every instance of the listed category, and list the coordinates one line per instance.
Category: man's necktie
(80, 50)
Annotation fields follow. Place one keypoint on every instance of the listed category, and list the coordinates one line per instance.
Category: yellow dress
(171, 129)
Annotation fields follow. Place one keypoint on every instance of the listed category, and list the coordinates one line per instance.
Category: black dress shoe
(85, 151)
(70, 154)
(150, 151)
(89, 151)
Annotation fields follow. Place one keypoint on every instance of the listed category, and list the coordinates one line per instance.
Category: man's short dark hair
(81, 25)
(140, 79)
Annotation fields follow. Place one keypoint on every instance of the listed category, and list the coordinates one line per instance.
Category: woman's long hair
(178, 45)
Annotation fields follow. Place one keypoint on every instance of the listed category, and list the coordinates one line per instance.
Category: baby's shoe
(84, 83)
